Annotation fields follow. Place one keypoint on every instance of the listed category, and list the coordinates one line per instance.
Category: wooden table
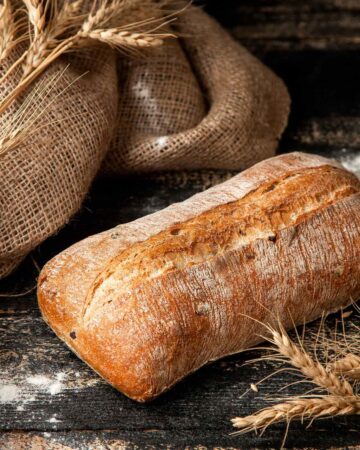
(49, 399)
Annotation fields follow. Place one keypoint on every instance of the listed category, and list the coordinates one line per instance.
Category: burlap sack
(163, 123)
(44, 179)
(160, 96)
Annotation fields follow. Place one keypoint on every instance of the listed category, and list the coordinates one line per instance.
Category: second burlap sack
(202, 102)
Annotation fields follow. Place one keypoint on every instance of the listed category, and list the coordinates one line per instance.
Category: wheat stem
(25, 82)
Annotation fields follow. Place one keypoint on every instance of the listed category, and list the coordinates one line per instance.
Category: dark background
(59, 403)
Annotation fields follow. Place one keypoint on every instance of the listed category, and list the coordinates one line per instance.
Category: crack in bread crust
(260, 214)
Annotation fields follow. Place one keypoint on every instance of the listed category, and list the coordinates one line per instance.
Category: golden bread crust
(148, 302)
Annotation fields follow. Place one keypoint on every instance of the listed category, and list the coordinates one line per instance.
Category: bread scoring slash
(148, 302)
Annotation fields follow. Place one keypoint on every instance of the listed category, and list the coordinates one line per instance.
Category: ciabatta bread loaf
(146, 303)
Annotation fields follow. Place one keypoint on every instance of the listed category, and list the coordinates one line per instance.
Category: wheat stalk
(340, 400)
(102, 14)
(299, 409)
(36, 53)
(50, 39)
(121, 36)
(312, 369)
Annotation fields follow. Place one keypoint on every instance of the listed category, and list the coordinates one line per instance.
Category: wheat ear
(51, 40)
(123, 39)
(7, 32)
(10, 26)
(36, 14)
(348, 366)
(96, 26)
(312, 369)
(299, 409)
(47, 32)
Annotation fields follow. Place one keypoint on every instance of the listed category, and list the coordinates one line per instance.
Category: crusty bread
(146, 303)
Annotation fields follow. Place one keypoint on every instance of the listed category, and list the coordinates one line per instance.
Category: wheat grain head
(310, 368)
(298, 408)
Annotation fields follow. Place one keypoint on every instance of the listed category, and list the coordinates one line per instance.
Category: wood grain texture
(313, 45)
(291, 24)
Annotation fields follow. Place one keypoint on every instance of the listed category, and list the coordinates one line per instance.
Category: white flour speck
(141, 90)
(53, 419)
(39, 380)
(8, 393)
(161, 141)
(53, 387)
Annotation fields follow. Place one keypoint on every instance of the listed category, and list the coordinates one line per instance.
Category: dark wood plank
(55, 401)
(151, 439)
(45, 387)
(325, 111)
(284, 24)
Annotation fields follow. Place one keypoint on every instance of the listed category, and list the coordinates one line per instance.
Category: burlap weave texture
(45, 178)
(208, 104)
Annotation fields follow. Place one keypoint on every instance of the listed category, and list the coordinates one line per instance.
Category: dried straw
(22, 123)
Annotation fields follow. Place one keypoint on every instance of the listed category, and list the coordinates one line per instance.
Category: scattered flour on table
(26, 391)
(52, 386)
(53, 419)
(38, 380)
(9, 393)
(12, 393)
